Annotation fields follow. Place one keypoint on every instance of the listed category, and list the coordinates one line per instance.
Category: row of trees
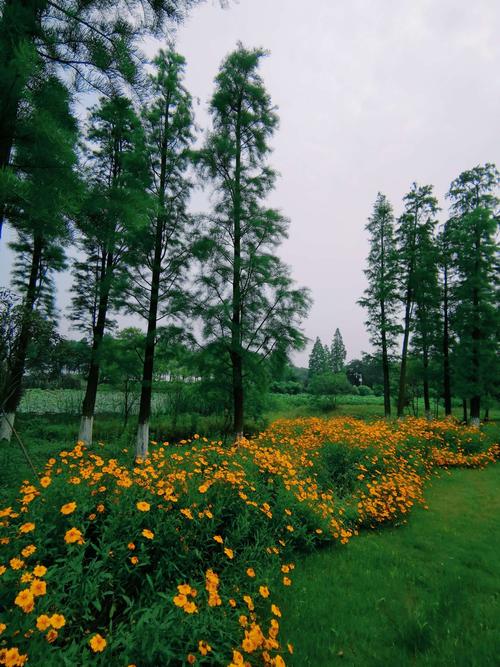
(324, 359)
(436, 289)
(119, 190)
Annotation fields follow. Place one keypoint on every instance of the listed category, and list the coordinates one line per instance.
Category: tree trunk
(88, 406)
(236, 352)
(13, 385)
(404, 355)
(427, 399)
(142, 441)
(385, 365)
(446, 347)
(475, 401)
(464, 410)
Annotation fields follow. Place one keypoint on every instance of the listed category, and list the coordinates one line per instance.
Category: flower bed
(177, 560)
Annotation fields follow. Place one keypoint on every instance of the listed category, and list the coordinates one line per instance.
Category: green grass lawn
(427, 593)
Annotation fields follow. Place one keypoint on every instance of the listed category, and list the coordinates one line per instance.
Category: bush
(364, 390)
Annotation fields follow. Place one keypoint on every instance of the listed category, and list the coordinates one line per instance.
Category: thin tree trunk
(13, 385)
(385, 365)
(475, 401)
(446, 347)
(464, 410)
(404, 355)
(427, 400)
(142, 441)
(236, 354)
(88, 406)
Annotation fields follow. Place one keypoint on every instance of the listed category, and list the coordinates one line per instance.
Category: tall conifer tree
(250, 305)
(337, 353)
(381, 295)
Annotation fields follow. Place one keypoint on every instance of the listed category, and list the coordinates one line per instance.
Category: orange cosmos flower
(16, 563)
(218, 539)
(40, 571)
(143, 506)
(25, 600)
(73, 535)
(51, 635)
(97, 643)
(148, 534)
(27, 527)
(229, 553)
(264, 591)
(45, 482)
(251, 572)
(57, 621)
(43, 622)
(38, 587)
(69, 508)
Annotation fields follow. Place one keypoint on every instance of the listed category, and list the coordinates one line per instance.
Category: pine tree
(446, 276)
(319, 359)
(381, 295)
(425, 339)
(44, 197)
(250, 305)
(115, 211)
(420, 211)
(163, 253)
(337, 353)
(472, 230)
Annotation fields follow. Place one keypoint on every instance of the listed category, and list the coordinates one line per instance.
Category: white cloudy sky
(372, 95)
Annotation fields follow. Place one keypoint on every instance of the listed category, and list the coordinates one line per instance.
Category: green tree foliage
(319, 359)
(338, 353)
(43, 199)
(164, 250)
(112, 218)
(472, 231)
(249, 302)
(381, 296)
(418, 218)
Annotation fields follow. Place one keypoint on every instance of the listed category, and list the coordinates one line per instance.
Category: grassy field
(424, 594)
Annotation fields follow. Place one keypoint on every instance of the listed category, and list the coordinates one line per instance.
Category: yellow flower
(131, 546)
(287, 581)
(218, 539)
(204, 647)
(27, 551)
(40, 571)
(27, 528)
(25, 600)
(69, 508)
(190, 608)
(12, 658)
(276, 610)
(143, 506)
(264, 591)
(3, 570)
(45, 482)
(73, 535)
(97, 643)
(2, 627)
(57, 621)
(51, 635)
(38, 587)
(229, 553)
(187, 513)
(180, 600)
(43, 622)
(27, 576)
(148, 534)
(134, 560)
(251, 572)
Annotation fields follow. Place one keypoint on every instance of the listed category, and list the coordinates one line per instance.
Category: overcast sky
(372, 95)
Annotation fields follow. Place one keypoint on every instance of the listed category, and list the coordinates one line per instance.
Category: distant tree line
(117, 189)
(435, 289)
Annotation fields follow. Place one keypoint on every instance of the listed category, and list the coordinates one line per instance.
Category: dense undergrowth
(179, 559)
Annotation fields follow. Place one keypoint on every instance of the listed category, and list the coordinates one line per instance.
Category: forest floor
(427, 593)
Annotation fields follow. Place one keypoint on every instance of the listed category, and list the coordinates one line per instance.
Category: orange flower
(2, 627)
(251, 572)
(134, 560)
(73, 535)
(229, 553)
(38, 587)
(287, 581)
(51, 635)
(69, 508)
(57, 621)
(131, 546)
(25, 600)
(143, 506)
(27, 528)
(191, 659)
(264, 591)
(218, 539)
(276, 610)
(27, 551)
(97, 643)
(148, 534)
(40, 571)
(204, 647)
(12, 658)
(43, 622)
